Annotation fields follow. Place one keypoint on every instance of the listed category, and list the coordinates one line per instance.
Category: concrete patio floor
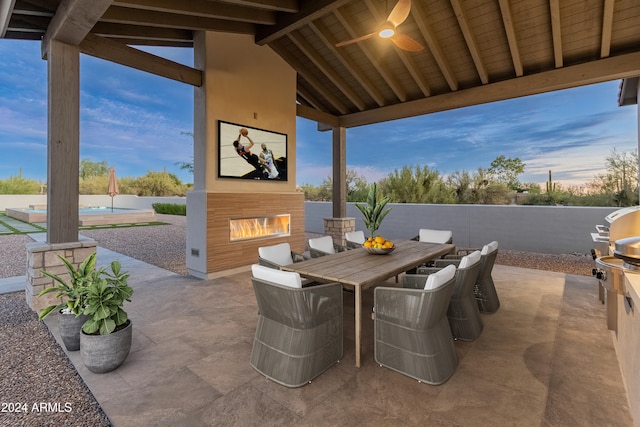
(545, 358)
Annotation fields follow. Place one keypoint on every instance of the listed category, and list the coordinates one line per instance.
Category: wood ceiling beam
(6, 8)
(311, 79)
(434, 46)
(408, 62)
(123, 15)
(607, 27)
(556, 32)
(602, 70)
(324, 35)
(138, 32)
(309, 98)
(316, 115)
(73, 21)
(327, 70)
(382, 69)
(509, 28)
(289, 6)
(204, 9)
(120, 53)
(309, 12)
(21, 7)
(465, 27)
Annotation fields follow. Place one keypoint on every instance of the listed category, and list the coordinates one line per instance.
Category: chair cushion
(469, 260)
(284, 278)
(435, 236)
(355, 236)
(278, 254)
(324, 244)
(438, 279)
(489, 247)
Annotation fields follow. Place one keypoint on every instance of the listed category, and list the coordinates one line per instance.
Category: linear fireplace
(259, 228)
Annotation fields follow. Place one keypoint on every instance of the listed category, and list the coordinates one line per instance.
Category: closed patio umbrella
(112, 189)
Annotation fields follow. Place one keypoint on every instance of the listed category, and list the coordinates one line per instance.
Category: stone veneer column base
(336, 227)
(44, 256)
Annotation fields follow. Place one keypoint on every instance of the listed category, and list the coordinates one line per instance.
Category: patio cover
(476, 51)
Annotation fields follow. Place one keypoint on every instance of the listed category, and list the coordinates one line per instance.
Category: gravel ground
(32, 363)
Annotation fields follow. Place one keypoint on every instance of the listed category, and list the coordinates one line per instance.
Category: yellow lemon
(388, 244)
(379, 239)
(369, 239)
(368, 244)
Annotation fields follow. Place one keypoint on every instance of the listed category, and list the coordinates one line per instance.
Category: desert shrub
(170, 208)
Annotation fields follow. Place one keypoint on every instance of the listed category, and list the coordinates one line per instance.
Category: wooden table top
(357, 267)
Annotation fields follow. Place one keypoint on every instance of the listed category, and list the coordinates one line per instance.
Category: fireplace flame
(255, 228)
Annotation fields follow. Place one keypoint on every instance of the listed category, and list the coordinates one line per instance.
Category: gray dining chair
(485, 289)
(463, 312)
(412, 334)
(299, 330)
(430, 235)
(321, 246)
(354, 239)
(275, 256)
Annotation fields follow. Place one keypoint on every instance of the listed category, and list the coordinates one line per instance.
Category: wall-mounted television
(246, 152)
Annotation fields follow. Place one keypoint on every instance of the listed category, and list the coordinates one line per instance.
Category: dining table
(359, 270)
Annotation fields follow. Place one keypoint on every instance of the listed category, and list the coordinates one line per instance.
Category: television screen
(249, 153)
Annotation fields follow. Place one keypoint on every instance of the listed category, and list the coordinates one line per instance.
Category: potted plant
(72, 295)
(105, 339)
(374, 211)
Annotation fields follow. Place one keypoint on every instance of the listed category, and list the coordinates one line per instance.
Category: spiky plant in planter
(374, 211)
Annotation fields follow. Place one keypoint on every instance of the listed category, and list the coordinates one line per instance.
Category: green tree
(19, 185)
(421, 185)
(488, 192)
(357, 188)
(620, 181)
(89, 168)
(159, 184)
(506, 171)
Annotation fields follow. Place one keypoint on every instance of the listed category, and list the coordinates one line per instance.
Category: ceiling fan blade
(356, 40)
(400, 12)
(405, 42)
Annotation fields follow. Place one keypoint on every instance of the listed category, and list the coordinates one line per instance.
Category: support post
(63, 142)
(339, 172)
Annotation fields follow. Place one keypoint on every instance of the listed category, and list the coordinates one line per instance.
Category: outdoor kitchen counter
(626, 340)
(633, 287)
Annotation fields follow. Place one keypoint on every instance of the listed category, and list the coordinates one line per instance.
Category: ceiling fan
(389, 29)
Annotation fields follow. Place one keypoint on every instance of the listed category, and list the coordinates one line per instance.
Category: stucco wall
(545, 229)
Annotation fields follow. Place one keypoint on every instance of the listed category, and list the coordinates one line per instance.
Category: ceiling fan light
(386, 32)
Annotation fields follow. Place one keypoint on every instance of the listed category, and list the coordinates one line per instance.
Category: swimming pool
(99, 215)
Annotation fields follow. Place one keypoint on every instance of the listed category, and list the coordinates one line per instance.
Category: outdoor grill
(616, 252)
(617, 248)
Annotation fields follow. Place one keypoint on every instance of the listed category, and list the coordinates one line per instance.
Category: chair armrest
(414, 281)
(297, 257)
(353, 245)
(316, 253)
(466, 251)
(267, 263)
(443, 262)
(416, 238)
(453, 257)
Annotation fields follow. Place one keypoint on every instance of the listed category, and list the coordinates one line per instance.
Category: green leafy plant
(374, 211)
(105, 297)
(74, 290)
(170, 208)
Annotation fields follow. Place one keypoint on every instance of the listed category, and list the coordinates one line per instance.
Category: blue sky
(136, 122)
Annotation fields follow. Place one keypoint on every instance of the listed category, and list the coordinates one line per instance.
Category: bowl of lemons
(378, 245)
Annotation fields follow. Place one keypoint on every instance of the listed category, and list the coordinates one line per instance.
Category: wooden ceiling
(476, 51)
